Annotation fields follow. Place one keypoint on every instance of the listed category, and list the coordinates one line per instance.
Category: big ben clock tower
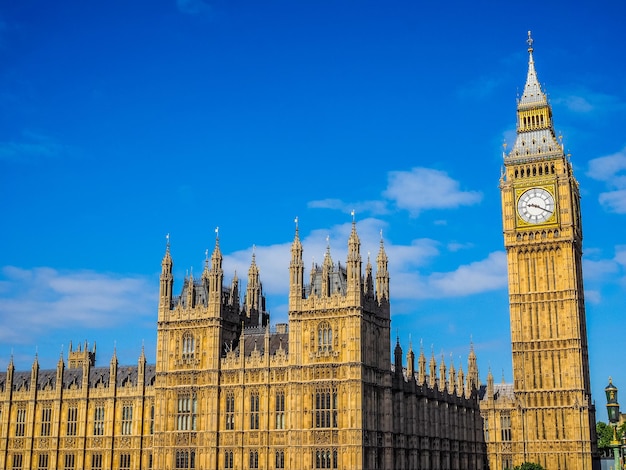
(553, 422)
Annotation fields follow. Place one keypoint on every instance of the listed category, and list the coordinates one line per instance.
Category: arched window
(189, 345)
(324, 337)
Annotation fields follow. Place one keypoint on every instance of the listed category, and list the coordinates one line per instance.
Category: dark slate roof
(255, 338)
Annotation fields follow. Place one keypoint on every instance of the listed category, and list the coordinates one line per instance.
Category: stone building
(230, 392)
(546, 415)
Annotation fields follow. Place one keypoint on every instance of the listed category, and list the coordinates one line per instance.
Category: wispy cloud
(38, 300)
(584, 101)
(363, 207)
(425, 188)
(611, 170)
(193, 7)
(32, 147)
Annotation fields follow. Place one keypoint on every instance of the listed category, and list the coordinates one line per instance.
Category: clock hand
(539, 207)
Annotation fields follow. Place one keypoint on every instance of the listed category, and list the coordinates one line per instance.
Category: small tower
(166, 279)
(382, 273)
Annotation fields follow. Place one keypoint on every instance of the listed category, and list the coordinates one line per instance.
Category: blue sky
(121, 122)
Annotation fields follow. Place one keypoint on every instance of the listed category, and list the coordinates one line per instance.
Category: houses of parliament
(229, 390)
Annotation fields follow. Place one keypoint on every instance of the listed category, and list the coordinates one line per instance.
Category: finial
(167, 238)
(381, 234)
(530, 42)
(352, 214)
(217, 233)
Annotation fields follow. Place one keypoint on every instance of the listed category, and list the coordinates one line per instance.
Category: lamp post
(612, 409)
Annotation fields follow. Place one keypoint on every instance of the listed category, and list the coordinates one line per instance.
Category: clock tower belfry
(553, 423)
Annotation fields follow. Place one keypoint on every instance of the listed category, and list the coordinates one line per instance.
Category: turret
(327, 269)
(382, 274)
(167, 278)
(432, 382)
(442, 374)
(421, 369)
(490, 389)
(460, 381)
(451, 376)
(254, 305)
(216, 279)
(353, 267)
(397, 355)
(410, 363)
(113, 370)
(34, 373)
(369, 280)
(296, 270)
(473, 381)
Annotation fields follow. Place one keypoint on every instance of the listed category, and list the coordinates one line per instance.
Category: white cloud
(363, 207)
(611, 169)
(38, 300)
(424, 188)
(583, 101)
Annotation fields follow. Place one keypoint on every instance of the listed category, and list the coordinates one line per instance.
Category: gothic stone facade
(229, 392)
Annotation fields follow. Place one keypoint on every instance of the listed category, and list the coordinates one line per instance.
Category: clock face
(535, 205)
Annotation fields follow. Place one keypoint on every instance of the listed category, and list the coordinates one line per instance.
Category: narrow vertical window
(228, 459)
(17, 461)
(254, 459)
(42, 462)
(125, 462)
(254, 410)
(20, 423)
(280, 410)
(69, 462)
(98, 421)
(152, 419)
(324, 337)
(189, 346)
(326, 409)
(280, 459)
(186, 413)
(127, 419)
(96, 462)
(72, 419)
(230, 411)
(46, 418)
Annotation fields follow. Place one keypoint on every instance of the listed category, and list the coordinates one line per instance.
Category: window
(96, 462)
(280, 410)
(127, 419)
(20, 423)
(152, 419)
(326, 409)
(72, 419)
(186, 414)
(185, 459)
(505, 427)
(46, 418)
(189, 346)
(150, 461)
(325, 458)
(280, 459)
(486, 428)
(42, 462)
(254, 410)
(254, 459)
(17, 461)
(69, 462)
(230, 411)
(125, 462)
(324, 337)
(98, 421)
(228, 459)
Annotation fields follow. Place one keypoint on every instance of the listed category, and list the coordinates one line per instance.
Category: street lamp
(612, 409)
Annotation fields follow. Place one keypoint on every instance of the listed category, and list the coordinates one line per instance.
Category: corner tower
(554, 420)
